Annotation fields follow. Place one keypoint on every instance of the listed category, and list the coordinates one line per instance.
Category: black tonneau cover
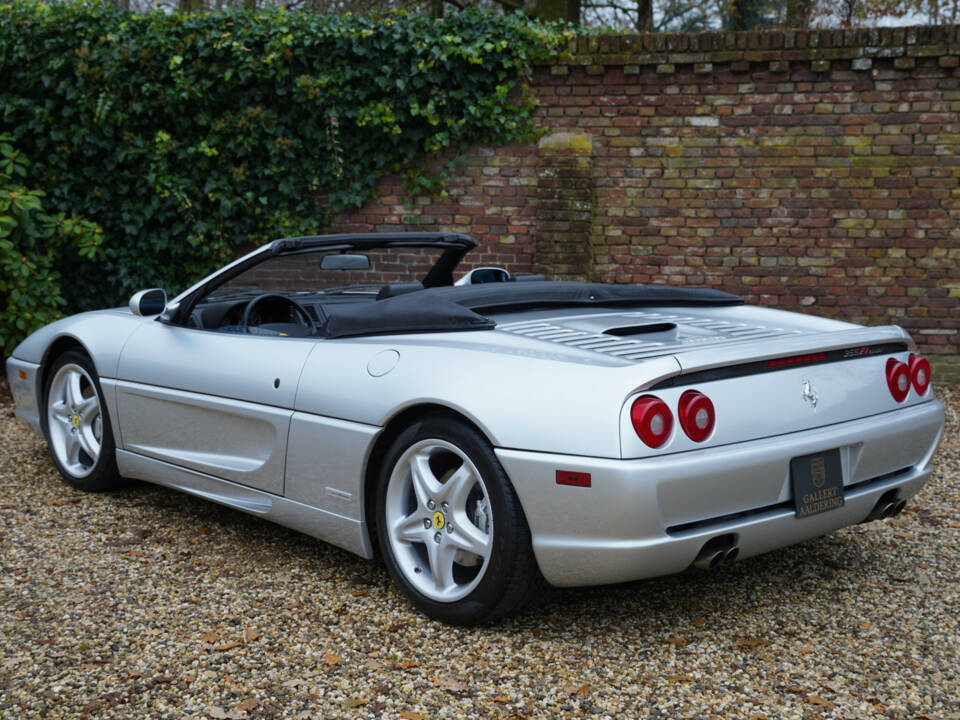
(457, 308)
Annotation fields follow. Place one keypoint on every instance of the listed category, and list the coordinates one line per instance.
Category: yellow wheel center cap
(76, 421)
(438, 520)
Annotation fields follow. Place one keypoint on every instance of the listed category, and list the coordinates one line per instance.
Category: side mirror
(147, 303)
(344, 261)
(482, 275)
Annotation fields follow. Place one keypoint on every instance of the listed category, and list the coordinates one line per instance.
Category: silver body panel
(619, 529)
(228, 416)
(284, 428)
(338, 530)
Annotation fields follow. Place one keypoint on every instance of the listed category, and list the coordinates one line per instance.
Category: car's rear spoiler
(746, 358)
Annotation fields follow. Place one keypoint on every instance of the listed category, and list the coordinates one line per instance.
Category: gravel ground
(146, 603)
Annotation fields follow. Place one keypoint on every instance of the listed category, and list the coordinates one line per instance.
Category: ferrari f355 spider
(488, 435)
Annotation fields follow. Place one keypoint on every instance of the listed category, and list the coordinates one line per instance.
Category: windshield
(304, 273)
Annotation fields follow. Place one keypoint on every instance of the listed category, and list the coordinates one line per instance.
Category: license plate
(817, 481)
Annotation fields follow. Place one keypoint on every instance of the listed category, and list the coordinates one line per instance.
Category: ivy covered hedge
(186, 137)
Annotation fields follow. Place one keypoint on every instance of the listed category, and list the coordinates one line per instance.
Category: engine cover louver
(690, 332)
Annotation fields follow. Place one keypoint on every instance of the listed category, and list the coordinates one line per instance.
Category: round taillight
(919, 373)
(652, 420)
(696, 415)
(898, 379)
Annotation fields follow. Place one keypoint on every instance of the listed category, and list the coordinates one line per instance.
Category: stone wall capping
(761, 47)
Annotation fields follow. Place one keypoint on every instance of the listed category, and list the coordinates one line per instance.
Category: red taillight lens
(652, 420)
(696, 415)
(919, 373)
(898, 379)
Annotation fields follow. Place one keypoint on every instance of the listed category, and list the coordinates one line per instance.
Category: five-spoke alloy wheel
(450, 527)
(438, 520)
(77, 425)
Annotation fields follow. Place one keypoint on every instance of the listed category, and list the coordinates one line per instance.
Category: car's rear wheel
(77, 425)
(450, 527)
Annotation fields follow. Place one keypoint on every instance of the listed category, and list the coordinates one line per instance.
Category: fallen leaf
(750, 643)
(822, 702)
(797, 689)
(361, 592)
(699, 622)
(831, 686)
(582, 691)
(409, 715)
(217, 713)
(378, 706)
(210, 638)
(250, 634)
(406, 665)
(679, 642)
(331, 659)
(229, 645)
(354, 702)
(453, 686)
(248, 704)
(805, 650)
(679, 678)
(500, 699)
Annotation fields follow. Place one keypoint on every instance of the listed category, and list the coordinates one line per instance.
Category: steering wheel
(304, 319)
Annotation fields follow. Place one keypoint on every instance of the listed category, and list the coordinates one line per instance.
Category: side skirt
(338, 530)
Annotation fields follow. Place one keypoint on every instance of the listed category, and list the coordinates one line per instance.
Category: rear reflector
(696, 415)
(652, 420)
(577, 479)
(919, 373)
(898, 379)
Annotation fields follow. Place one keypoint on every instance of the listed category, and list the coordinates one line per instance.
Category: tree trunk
(644, 15)
(798, 13)
(743, 15)
(191, 5)
(557, 10)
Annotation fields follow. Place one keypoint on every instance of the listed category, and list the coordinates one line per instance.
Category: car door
(219, 403)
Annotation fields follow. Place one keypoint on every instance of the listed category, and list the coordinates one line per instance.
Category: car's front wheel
(77, 426)
(451, 528)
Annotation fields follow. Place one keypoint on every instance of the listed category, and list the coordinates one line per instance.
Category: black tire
(87, 474)
(509, 578)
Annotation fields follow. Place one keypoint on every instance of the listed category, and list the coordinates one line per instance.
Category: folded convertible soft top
(457, 308)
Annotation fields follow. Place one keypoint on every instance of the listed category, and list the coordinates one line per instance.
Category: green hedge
(187, 137)
(32, 245)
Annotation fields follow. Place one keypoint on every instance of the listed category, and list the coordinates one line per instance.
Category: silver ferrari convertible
(485, 434)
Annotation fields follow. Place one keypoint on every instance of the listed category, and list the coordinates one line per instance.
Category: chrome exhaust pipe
(882, 510)
(898, 507)
(708, 559)
(717, 551)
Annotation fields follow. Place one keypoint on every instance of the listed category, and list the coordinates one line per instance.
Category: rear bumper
(649, 517)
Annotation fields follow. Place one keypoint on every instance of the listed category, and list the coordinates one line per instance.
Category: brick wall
(813, 171)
